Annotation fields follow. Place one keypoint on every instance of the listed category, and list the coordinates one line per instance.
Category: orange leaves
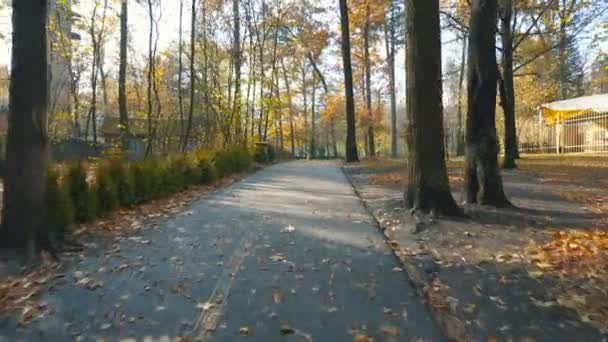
(574, 251)
(393, 178)
(334, 108)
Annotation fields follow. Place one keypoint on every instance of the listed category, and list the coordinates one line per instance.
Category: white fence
(586, 133)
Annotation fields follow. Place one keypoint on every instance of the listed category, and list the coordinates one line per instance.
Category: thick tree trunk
(351, 142)
(122, 75)
(428, 189)
(507, 93)
(26, 150)
(192, 77)
(483, 183)
(368, 82)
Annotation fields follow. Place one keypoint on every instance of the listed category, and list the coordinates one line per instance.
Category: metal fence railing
(586, 133)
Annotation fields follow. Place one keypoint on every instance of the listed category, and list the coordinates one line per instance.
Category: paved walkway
(289, 252)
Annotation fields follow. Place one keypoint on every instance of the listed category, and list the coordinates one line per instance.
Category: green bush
(178, 173)
(232, 160)
(59, 209)
(76, 179)
(107, 187)
(123, 175)
(146, 180)
(264, 153)
(92, 209)
(203, 167)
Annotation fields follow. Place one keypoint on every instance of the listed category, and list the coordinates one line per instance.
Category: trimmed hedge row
(77, 193)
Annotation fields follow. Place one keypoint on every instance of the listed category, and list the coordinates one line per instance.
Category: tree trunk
(192, 77)
(368, 82)
(351, 139)
(150, 75)
(428, 189)
(507, 93)
(236, 110)
(483, 183)
(292, 138)
(313, 140)
(122, 75)
(389, 35)
(27, 149)
(463, 63)
(180, 74)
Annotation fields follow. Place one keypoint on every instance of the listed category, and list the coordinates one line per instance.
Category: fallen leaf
(244, 331)
(286, 330)
(362, 338)
(390, 330)
(288, 229)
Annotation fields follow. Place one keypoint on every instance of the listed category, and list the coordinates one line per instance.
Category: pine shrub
(59, 209)
(107, 188)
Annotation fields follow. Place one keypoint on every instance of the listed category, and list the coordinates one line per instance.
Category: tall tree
(27, 147)
(180, 72)
(122, 73)
(390, 42)
(483, 183)
(428, 189)
(237, 57)
(368, 80)
(192, 76)
(507, 92)
(351, 142)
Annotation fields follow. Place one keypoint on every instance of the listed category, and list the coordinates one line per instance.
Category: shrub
(107, 188)
(92, 209)
(264, 153)
(76, 179)
(123, 174)
(143, 175)
(59, 209)
(203, 166)
(178, 173)
(232, 160)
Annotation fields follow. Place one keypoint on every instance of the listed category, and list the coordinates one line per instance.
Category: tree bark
(368, 82)
(313, 131)
(27, 145)
(292, 138)
(389, 35)
(428, 189)
(192, 77)
(507, 93)
(122, 75)
(180, 74)
(150, 75)
(483, 183)
(351, 142)
(460, 128)
(236, 109)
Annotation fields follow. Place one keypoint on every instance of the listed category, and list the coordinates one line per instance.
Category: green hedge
(73, 197)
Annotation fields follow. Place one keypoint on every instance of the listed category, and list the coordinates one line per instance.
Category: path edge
(447, 318)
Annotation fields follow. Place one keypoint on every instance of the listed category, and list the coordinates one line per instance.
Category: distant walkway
(289, 250)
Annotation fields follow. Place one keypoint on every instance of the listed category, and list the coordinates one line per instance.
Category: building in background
(61, 20)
